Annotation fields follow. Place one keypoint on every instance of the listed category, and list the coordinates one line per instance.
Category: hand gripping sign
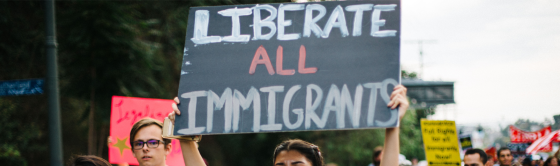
(289, 67)
(125, 111)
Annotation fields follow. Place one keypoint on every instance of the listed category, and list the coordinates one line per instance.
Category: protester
(490, 162)
(535, 160)
(504, 156)
(303, 153)
(552, 161)
(414, 161)
(475, 157)
(148, 145)
(527, 161)
(88, 160)
(377, 154)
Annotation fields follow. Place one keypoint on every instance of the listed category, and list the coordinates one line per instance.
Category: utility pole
(55, 139)
(421, 52)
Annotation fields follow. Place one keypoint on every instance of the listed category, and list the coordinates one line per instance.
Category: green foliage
(411, 136)
(18, 132)
(409, 75)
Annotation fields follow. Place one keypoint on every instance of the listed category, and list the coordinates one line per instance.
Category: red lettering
(261, 52)
(279, 63)
(301, 63)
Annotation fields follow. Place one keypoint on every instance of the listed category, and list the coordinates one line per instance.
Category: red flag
(544, 143)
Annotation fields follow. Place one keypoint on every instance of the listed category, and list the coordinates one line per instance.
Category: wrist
(193, 138)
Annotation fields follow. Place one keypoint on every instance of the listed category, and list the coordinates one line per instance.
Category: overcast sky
(504, 56)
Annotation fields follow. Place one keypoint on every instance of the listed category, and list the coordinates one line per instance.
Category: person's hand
(398, 98)
(176, 111)
(109, 140)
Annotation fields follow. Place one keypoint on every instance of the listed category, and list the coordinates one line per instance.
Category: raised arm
(391, 146)
(191, 155)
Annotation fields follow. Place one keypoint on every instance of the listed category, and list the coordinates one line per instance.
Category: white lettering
(201, 20)
(234, 13)
(284, 23)
(336, 20)
(354, 110)
(359, 9)
(272, 108)
(310, 24)
(267, 22)
(192, 129)
(310, 106)
(376, 22)
(254, 97)
(214, 99)
(286, 109)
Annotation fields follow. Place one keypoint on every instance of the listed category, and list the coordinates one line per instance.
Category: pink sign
(125, 111)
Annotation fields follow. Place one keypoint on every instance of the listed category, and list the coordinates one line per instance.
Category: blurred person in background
(504, 157)
(475, 157)
(414, 161)
(88, 160)
(552, 161)
(377, 155)
(490, 162)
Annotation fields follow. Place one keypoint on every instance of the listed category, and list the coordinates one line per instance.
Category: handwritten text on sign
(125, 111)
(289, 67)
(440, 143)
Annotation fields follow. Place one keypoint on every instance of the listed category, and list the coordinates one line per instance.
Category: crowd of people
(151, 149)
(477, 157)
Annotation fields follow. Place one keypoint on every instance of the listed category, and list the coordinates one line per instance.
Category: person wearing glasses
(475, 157)
(302, 153)
(148, 145)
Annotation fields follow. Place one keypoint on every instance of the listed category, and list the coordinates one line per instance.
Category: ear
(168, 148)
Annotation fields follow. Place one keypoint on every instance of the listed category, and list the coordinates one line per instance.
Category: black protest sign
(466, 142)
(289, 67)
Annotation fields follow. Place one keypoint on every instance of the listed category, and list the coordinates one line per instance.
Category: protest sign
(517, 135)
(466, 142)
(440, 143)
(289, 67)
(518, 149)
(125, 111)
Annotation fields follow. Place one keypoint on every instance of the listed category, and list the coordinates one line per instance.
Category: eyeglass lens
(150, 143)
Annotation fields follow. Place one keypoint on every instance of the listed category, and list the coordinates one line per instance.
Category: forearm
(191, 155)
(391, 147)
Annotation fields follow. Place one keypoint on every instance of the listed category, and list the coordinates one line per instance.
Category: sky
(504, 56)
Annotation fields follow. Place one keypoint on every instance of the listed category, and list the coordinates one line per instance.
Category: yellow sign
(441, 143)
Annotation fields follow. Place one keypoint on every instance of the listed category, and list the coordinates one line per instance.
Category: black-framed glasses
(150, 143)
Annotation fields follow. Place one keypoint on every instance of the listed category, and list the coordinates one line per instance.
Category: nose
(145, 147)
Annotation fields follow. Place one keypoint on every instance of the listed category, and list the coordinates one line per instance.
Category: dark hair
(547, 162)
(88, 160)
(309, 150)
(145, 123)
(480, 152)
(527, 161)
(376, 152)
(502, 149)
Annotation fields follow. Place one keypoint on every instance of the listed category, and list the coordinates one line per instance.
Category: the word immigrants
(338, 100)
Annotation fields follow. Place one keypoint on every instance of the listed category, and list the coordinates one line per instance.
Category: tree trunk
(91, 131)
(102, 140)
